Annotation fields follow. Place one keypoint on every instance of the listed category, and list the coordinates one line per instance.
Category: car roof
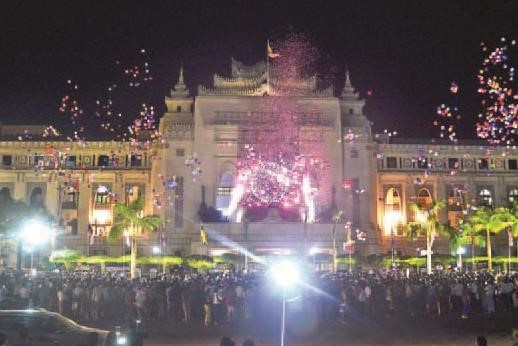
(26, 313)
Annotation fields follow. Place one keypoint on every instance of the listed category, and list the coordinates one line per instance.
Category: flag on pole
(203, 236)
(270, 52)
(510, 238)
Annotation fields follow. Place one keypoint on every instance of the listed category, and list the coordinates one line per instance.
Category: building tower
(177, 128)
(358, 165)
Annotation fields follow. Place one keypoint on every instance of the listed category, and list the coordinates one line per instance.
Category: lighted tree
(129, 221)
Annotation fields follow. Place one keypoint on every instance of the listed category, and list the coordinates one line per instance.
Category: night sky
(406, 52)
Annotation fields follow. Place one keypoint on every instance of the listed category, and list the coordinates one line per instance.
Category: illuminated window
(226, 183)
(133, 193)
(512, 197)
(485, 198)
(102, 196)
(392, 217)
(456, 205)
(424, 198)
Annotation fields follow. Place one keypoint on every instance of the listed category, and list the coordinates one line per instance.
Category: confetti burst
(498, 120)
(281, 161)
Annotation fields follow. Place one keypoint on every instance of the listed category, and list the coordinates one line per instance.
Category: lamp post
(125, 239)
(460, 251)
(286, 275)
(157, 252)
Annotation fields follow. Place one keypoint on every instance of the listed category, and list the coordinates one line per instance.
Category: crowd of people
(228, 297)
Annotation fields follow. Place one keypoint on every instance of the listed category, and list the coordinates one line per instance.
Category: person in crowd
(215, 298)
(23, 335)
(3, 339)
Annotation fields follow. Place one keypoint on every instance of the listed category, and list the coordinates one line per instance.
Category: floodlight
(461, 251)
(156, 250)
(313, 251)
(285, 273)
(34, 233)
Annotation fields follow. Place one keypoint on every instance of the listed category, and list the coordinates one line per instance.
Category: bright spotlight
(285, 273)
(461, 251)
(313, 251)
(35, 233)
(156, 250)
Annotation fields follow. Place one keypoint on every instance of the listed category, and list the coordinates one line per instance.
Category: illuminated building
(193, 176)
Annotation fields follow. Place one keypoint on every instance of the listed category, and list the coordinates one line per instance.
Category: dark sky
(406, 52)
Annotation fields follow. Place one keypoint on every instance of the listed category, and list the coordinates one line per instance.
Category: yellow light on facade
(102, 216)
(391, 219)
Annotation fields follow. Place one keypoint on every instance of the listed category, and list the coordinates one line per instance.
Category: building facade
(190, 179)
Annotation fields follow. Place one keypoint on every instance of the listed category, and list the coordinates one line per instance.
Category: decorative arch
(5, 195)
(134, 192)
(224, 191)
(424, 198)
(36, 197)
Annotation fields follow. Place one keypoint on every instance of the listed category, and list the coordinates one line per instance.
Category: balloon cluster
(193, 163)
(498, 121)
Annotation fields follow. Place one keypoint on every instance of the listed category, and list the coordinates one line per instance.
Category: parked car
(50, 329)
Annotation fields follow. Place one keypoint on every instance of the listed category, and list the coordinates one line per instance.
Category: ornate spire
(180, 89)
(348, 92)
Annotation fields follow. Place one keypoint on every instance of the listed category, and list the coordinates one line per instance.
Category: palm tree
(469, 236)
(487, 221)
(427, 220)
(508, 219)
(129, 220)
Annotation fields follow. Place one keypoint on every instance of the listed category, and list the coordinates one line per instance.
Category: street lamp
(285, 274)
(312, 252)
(157, 252)
(460, 251)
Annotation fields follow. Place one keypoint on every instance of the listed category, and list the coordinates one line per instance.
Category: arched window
(5, 195)
(485, 198)
(512, 197)
(226, 183)
(392, 217)
(424, 198)
(36, 199)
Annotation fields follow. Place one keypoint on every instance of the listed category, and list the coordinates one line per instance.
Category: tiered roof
(261, 79)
